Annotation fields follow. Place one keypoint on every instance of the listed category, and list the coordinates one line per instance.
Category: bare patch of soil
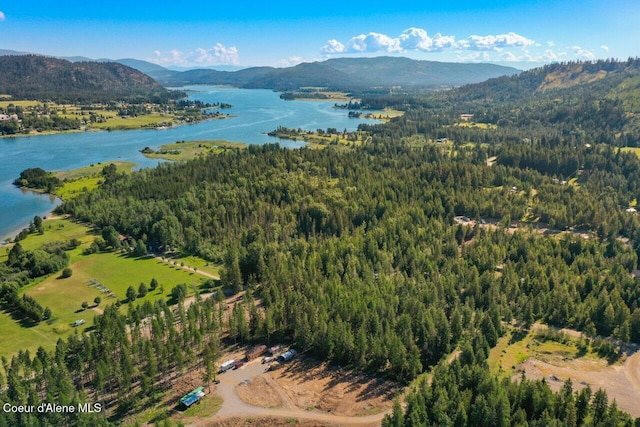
(620, 381)
(258, 392)
(268, 421)
(313, 385)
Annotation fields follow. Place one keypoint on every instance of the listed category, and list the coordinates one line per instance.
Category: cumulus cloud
(495, 42)
(1, 16)
(605, 48)
(583, 54)
(174, 57)
(506, 47)
(333, 46)
(417, 39)
(373, 42)
(475, 57)
(217, 55)
(289, 62)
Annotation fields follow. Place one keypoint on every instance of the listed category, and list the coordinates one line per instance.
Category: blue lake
(255, 112)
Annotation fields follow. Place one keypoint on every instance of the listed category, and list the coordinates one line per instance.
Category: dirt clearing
(258, 392)
(620, 381)
(313, 385)
(268, 421)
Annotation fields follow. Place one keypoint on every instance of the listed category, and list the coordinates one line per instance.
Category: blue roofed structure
(192, 397)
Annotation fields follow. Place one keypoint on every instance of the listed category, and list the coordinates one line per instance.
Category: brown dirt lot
(313, 385)
(620, 381)
(259, 392)
(268, 421)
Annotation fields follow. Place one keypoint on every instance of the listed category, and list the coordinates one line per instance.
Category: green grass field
(81, 180)
(635, 150)
(5, 104)
(516, 346)
(187, 150)
(115, 122)
(114, 270)
(475, 125)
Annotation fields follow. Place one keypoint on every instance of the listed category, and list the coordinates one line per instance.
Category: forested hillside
(45, 78)
(400, 254)
(346, 74)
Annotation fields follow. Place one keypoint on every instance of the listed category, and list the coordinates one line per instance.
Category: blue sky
(523, 34)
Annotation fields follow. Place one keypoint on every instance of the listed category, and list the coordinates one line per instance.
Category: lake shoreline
(91, 130)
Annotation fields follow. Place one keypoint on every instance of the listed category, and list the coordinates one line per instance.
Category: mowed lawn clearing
(113, 270)
(55, 229)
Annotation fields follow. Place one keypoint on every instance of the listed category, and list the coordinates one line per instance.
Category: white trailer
(227, 365)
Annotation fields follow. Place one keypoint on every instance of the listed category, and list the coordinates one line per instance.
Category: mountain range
(345, 74)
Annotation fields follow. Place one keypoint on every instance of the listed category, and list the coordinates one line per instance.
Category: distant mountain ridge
(41, 77)
(344, 74)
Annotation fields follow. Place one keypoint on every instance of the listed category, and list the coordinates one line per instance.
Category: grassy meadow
(517, 345)
(81, 180)
(114, 270)
(187, 150)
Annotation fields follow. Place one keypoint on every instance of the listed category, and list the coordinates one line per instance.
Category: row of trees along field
(126, 362)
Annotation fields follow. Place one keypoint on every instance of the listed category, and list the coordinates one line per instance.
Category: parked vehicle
(227, 365)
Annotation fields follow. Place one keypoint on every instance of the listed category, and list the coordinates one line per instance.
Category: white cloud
(418, 39)
(373, 42)
(173, 57)
(1, 16)
(551, 43)
(475, 57)
(333, 46)
(495, 42)
(289, 62)
(217, 55)
(605, 48)
(583, 54)
(510, 57)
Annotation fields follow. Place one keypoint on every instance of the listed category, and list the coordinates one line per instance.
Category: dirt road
(233, 407)
(632, 370)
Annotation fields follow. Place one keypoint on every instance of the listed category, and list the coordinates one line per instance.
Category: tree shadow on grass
(518, 335)
(25, 323)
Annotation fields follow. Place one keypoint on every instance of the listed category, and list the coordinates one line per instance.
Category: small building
(275, 349)
(192, 397)
(287, 355)
(9, 118)
(255, 352)
(466, 117)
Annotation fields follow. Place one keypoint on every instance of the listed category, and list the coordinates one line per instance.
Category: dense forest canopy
(390, 255)
(46, 78)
